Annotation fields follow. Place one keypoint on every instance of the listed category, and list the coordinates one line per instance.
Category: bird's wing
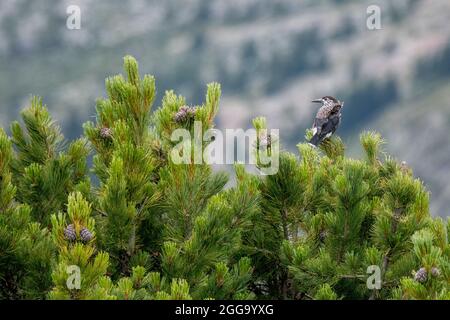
(327, 125)
(318, 123)
(330, 126)
(335, 110)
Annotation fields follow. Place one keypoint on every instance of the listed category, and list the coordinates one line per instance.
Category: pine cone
(70, 233)
(191, 112)
(421, 275)
(181, 115)
(184, 113)
(85, 235)
(435, 272)
(106, 133)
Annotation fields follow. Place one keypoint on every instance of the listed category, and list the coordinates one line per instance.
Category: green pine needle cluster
(147, 228)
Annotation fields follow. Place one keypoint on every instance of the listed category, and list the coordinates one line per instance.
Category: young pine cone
(421, 275)
(191, 112)
(184, 113)
(85, 235)
(181, 115)
(106, 133)
(435, 272)
(70, 233)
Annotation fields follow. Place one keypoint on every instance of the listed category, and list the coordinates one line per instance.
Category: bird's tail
(315, 140)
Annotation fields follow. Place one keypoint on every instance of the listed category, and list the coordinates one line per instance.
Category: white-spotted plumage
(327, 119)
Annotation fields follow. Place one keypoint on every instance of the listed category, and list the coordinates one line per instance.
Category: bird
(327, 119)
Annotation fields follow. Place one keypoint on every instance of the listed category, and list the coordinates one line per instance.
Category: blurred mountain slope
(271, 57)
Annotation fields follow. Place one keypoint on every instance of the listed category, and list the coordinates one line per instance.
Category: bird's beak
(317, 101)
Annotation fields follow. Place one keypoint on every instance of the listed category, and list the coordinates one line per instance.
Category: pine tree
(26, 250)
(431, 274)
(124, 165)
(74, 234)
(353, 214)
(201, 227)
(147, 201)
(161, 224)
(44, 168)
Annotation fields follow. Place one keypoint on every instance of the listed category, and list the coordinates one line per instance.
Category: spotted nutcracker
(327, 119)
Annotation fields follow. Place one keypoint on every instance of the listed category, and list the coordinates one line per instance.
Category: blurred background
(271, 57)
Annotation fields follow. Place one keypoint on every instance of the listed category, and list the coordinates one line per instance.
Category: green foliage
(371, 142)
(325, 293)
(26, 249)
(124, 163)
(373, 211)
(156, 229)
(44, 170)
(431, 249)
(76, 257)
